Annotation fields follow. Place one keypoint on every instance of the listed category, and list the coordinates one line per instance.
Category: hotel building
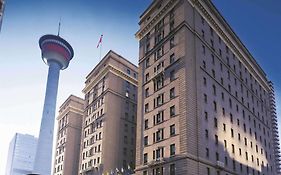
(204, 103)
(69, 136)
(109, 124)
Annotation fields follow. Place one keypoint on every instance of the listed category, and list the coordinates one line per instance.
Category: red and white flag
(100, 41)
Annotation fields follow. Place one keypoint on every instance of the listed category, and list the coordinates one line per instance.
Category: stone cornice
(70, 108)
(105, 71)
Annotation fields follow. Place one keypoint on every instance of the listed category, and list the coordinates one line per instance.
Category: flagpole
(100, 50)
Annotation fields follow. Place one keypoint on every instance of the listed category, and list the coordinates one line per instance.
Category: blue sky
(23, 74)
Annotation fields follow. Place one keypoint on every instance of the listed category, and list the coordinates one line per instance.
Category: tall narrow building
(67, 151)
(109, 128)
(21, 154)
(203, 100)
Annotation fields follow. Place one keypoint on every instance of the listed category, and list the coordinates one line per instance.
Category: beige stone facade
(109, 126)
(69, 136)
(203, 101)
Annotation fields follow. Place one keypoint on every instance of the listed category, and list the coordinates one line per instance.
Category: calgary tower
(56, 53)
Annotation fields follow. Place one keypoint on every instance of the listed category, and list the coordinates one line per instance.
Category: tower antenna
(59, 27)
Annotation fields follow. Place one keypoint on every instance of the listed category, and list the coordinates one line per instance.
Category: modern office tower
(108, 143)
(56, 53)
(203, 100)
(274, 124)
(70, 120)
(1, 12)
(21, 154)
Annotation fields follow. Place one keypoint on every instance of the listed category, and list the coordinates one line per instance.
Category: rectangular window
(146, 124)
(172, 42)
(172, 75)
(146, 92)
(172, 130)
(172, 169)
(172, 111)
(172, 58)
(172, 150)
(145, 140)
(145, 160)
(172, 93)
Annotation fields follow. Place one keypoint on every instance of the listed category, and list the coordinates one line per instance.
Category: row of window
(158, 154)
(160, 170)
(91, 163)
(159, 135)
(227, 53)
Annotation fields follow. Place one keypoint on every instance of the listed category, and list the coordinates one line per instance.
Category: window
(217, 156)
(159, 53)
(172, 58)
(146, 108)
(172, 130)
(159, 153)
(159, 135)
(215, 105)
(203, 50)
(146, 92)
(159, 31)
(206, 133)
(172, 75)
(213, 73)
(146, 77)
(172, 150)
(216, 139)
(214, 90)
(215, 122)
(145, 140)
(159, 100)
(172, 169)
(158, 83)
(147, 43)
(207, 152)
(147, 63)
(146, 124)
(159, 117)
(157, 171)
(205, 98)
(172, 111)
(172, 42)
(145, 159)
(204, 81)
(172, 93)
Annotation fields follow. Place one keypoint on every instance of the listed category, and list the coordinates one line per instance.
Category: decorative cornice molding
(70, 108)
(104, 72)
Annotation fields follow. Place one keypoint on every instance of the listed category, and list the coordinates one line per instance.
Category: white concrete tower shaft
(56, 53)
